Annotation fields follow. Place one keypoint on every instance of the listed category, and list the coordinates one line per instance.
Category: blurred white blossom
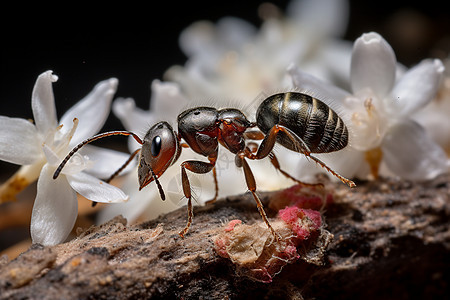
(379, 113)
(40, 147)
(235, 60)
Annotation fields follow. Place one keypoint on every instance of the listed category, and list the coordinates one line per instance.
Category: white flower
(379, 111)
(234, 60)
(40, 147)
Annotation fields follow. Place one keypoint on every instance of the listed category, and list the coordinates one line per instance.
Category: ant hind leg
(276, 164)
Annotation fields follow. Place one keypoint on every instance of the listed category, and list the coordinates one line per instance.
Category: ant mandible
(295, 120)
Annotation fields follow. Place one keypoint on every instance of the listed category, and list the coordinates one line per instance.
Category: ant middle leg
(198, 167)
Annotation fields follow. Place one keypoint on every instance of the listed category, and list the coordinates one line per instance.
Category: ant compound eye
(156, 146)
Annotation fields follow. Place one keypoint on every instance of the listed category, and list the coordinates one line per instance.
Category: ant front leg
(198, 167)
(251, 184)
(212, 159)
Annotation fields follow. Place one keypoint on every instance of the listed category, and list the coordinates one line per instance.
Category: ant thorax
(198, 127)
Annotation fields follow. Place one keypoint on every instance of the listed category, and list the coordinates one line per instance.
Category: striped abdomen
(313, 121)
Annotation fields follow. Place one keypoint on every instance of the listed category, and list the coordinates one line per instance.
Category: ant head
(160, 149)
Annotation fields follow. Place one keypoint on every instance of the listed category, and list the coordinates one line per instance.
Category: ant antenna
(161, 191)
(92, 139)
(114, 175)
(119, 170)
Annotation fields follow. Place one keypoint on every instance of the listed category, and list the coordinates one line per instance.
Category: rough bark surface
(391, 241)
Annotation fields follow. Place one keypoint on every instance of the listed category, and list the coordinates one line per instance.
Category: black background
(84, 43)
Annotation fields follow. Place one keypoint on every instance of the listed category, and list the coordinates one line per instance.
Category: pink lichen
(221, 246)
(254, 250)
(302, 197)
(232, 224)
(301, 221)
(223, 241)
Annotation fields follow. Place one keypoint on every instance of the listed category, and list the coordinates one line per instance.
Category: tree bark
(391, 241)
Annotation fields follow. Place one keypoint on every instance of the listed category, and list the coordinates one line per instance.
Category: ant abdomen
(321, 129)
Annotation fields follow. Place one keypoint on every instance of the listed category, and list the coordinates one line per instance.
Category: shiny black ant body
(297, 121)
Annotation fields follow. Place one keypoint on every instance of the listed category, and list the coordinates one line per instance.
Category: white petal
(329, 17)
(146, 203)
(435, 119)
(417, 87)
(373, 65)
(204, 38)
(196, 37)
(410, 153)
(167, 99)
(133, 119)
(91, 111)
(234, 32)
(315, 87)
(55, 209)
(50, 155)
(19, 141)
(337, 56)
(43, 103)
(77, 163)
(95, 189)
(105, 161)
(139, 203)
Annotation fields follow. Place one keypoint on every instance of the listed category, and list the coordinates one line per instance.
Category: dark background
(83, 44)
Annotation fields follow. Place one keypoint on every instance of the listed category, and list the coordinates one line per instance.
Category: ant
(295, 120)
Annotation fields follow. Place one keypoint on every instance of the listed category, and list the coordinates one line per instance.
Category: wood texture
(391, 241)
